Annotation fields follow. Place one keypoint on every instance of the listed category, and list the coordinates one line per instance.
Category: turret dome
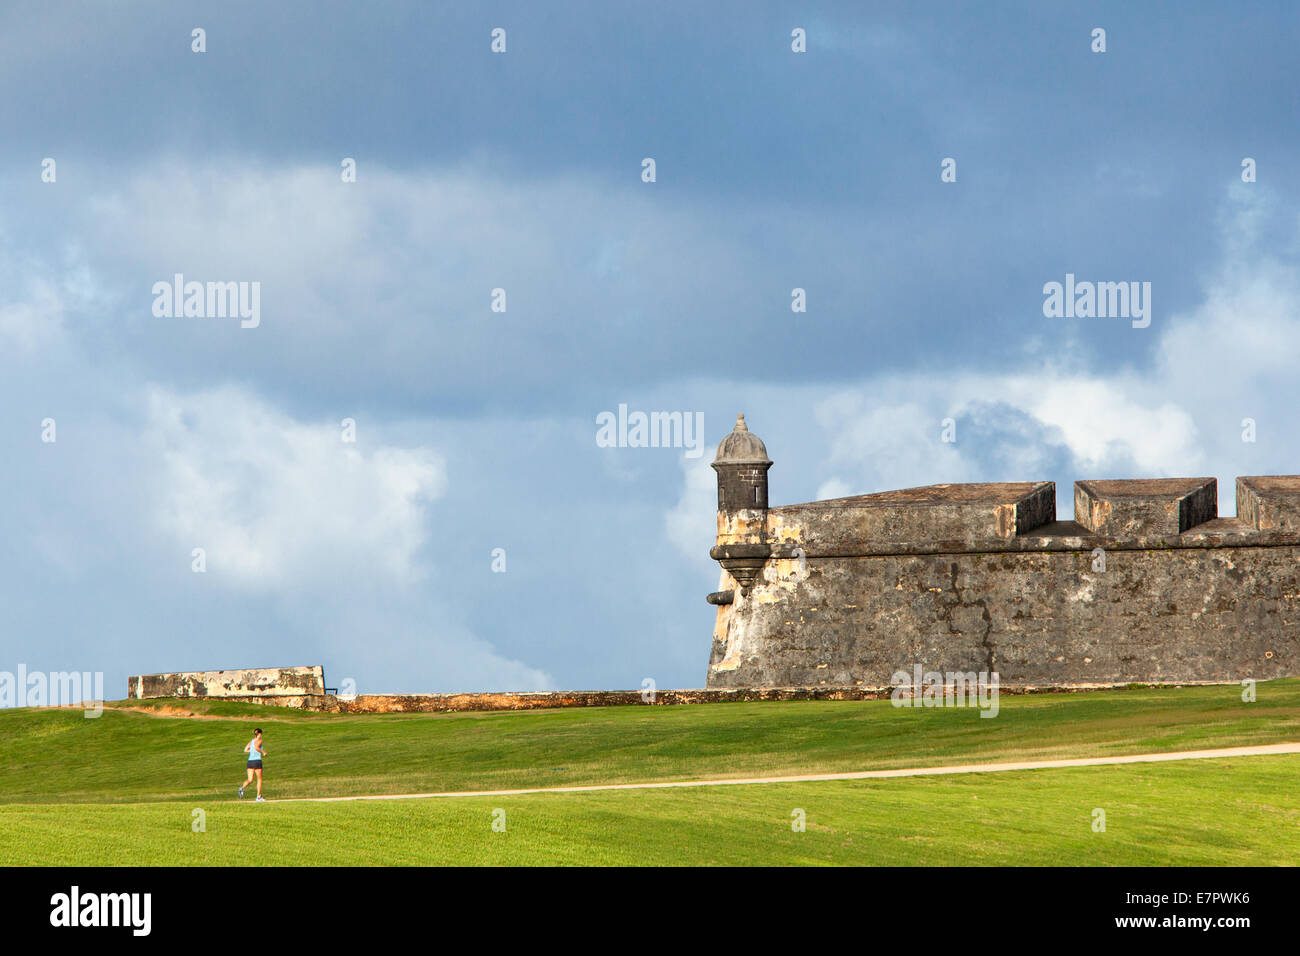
(742, 445)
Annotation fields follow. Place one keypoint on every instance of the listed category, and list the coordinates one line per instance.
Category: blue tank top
(253, 752)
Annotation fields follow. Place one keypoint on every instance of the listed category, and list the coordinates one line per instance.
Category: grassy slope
(1229, 812)
(62, 774)
(126, 756)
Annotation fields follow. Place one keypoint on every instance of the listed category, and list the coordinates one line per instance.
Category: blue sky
(476, 430)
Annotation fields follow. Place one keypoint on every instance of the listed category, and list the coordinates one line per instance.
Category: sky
(474, 535)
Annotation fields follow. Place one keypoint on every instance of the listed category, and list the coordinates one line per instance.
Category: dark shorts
(254, 765)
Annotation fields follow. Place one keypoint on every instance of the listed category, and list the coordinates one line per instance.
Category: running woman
(255, 750)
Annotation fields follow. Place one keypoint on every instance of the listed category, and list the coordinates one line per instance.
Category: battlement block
(955, 514)
(1269, 502)
(1145, 506)
(965, 512)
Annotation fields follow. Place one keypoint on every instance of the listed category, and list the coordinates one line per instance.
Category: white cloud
(1107, 421)
(335, 532)
(35, 321)
(278, 504)
(893, 445)
(690, 524)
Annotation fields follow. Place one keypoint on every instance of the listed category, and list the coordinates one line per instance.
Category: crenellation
(1145, 506)
(1269, 503)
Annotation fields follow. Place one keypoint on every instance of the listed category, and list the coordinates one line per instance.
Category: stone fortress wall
(1146, 585)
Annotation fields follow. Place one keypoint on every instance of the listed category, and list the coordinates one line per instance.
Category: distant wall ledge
(249, 682)
(546, 700)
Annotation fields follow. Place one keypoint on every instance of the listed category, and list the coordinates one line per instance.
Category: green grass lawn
(1215, 812)
(56, 756)
(120, 789)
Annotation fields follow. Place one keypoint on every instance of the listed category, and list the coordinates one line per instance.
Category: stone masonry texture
(1147, 585)
(250, 682)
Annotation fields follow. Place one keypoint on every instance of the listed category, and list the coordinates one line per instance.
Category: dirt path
(1257, 751)
(181, 713)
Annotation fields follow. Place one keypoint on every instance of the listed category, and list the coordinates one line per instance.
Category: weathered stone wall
(252, 682)
(1192, 614)
(1149, 586)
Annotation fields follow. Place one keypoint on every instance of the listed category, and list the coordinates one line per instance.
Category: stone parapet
(251, 682)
